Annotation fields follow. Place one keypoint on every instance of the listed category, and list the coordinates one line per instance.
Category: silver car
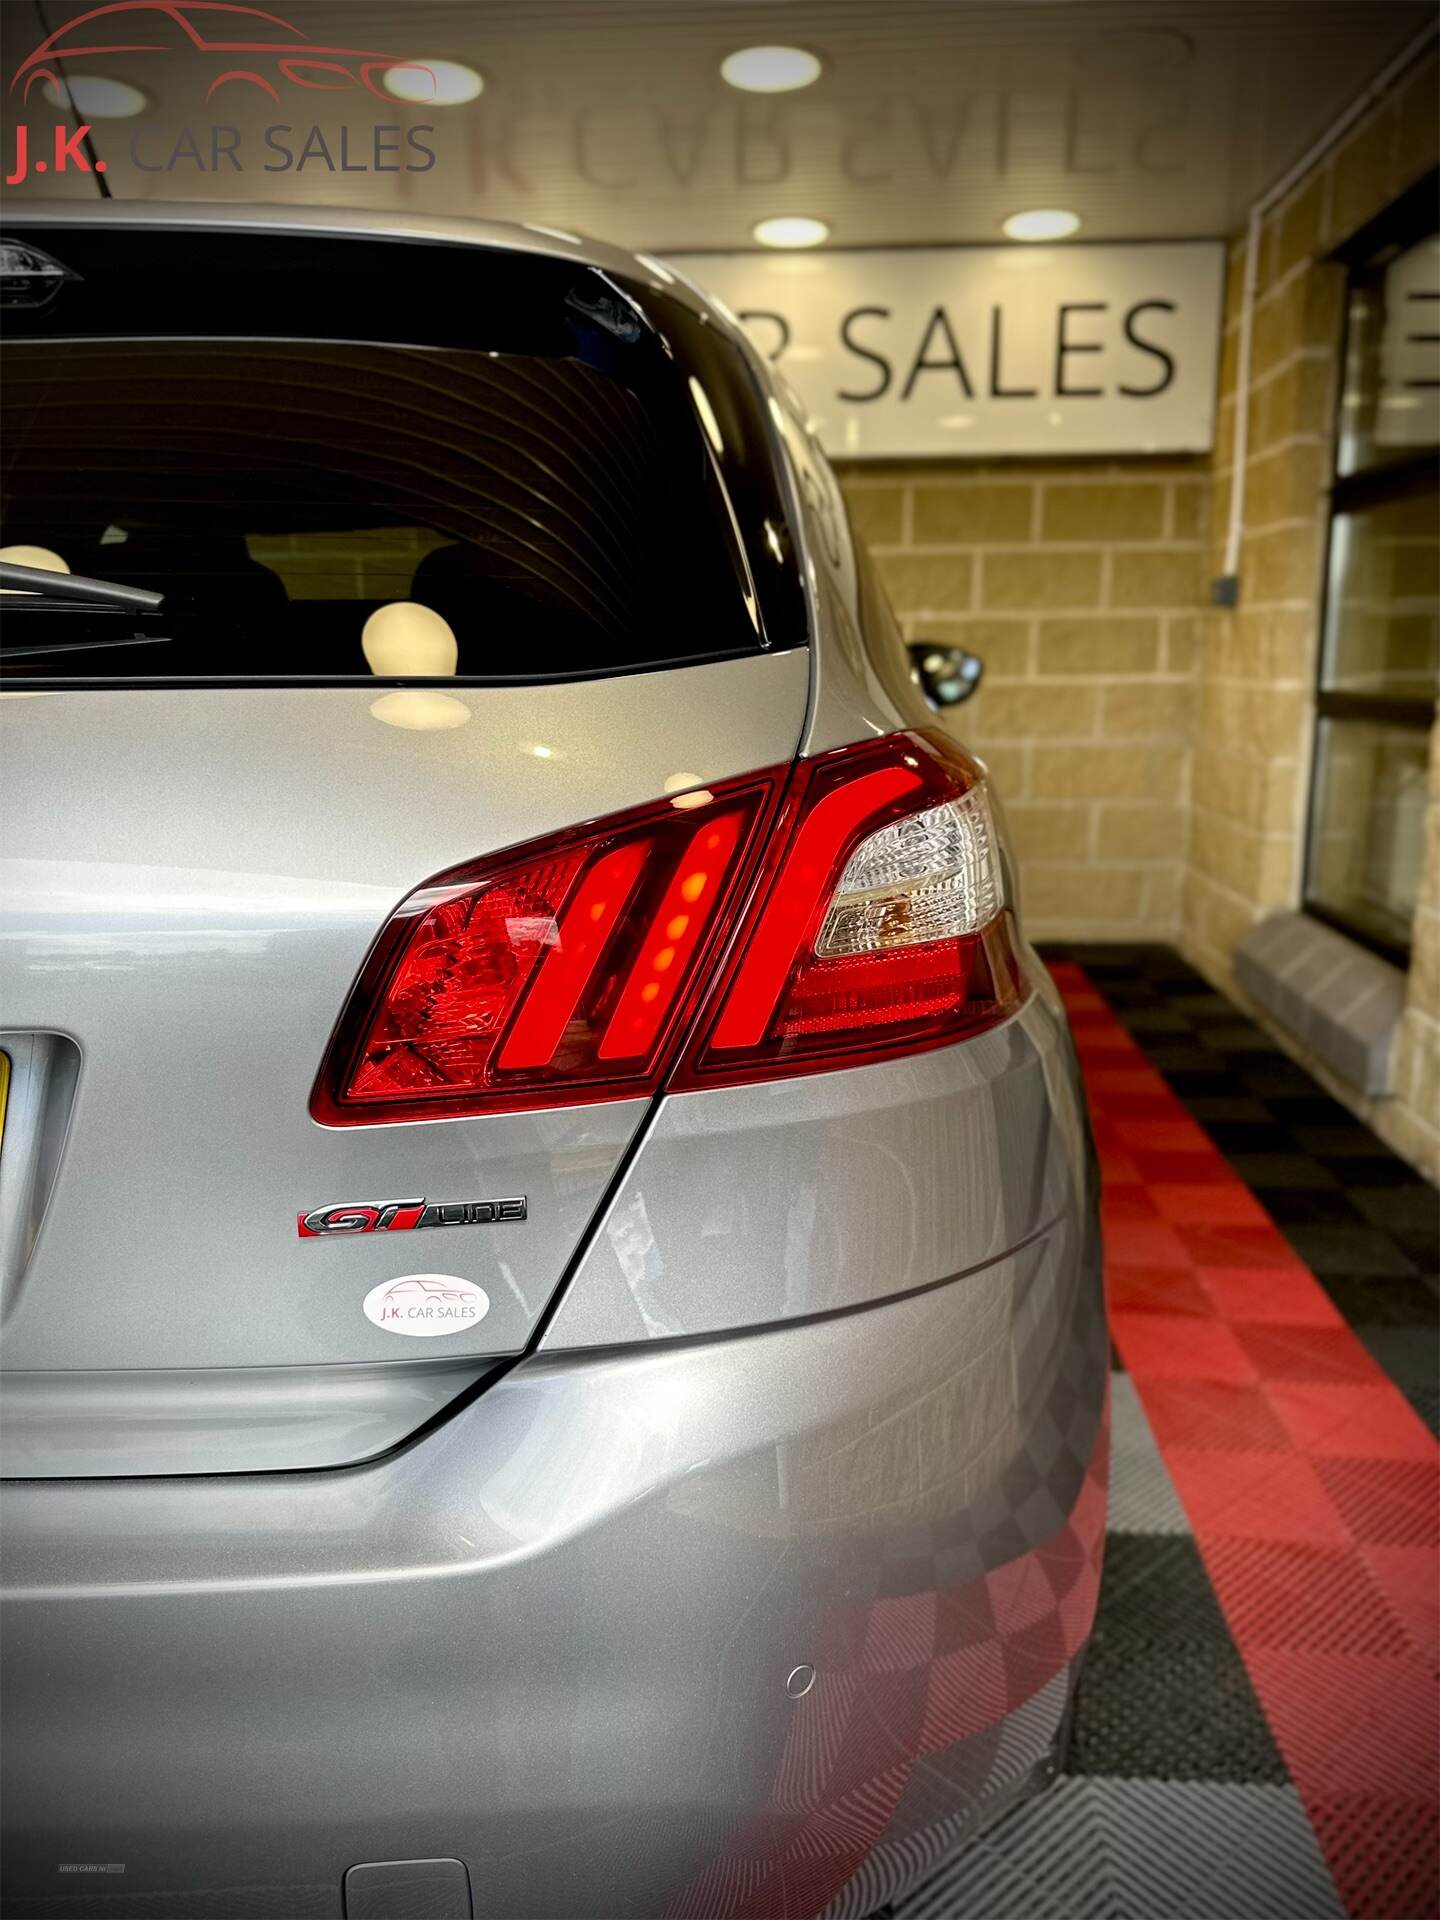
(554, 1350)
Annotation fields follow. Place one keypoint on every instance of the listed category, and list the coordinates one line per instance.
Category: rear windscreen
(341, 458)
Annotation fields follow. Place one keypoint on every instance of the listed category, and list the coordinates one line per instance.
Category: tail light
(851, 913)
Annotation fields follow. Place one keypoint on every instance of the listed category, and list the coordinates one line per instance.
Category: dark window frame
(1409, 220)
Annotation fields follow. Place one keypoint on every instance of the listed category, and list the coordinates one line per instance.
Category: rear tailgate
(191, 881)
(460, 545)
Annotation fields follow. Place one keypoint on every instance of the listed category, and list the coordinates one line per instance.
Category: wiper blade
(40, 583)
(7, 654)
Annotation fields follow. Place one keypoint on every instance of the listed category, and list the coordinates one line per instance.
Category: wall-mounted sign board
(988, 350)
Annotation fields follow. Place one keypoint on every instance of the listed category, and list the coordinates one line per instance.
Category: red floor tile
(1314, 1353)
(1350, 1419)
(1145, 1243)
(1231, 1495)
(1153, 1349)
(1312, 1487)
(1284, 1296)
(1158, 1290)
(1211, 1414)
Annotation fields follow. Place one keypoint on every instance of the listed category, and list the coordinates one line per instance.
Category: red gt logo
(272, 49)
(403, 1216)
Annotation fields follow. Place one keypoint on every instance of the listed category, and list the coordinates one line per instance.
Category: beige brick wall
(1080, 583)
(1154, 751)
(1254, 715)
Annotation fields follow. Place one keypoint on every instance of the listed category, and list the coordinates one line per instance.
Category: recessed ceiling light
(770, 69)
(97, 98)
(453, 84)
(791, 230)
(1042, 223)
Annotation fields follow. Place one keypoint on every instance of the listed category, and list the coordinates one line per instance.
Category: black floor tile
(1426, 1402)
(1409, 1354)
(1165, 1695)
(1235, 1137)
(1183, 1060)
(1233, 1109)
(1347, 1139)
(1315, 1109)
(1366, 1224)
(1289, 1172)
(1371, 1170)
(1313, 1206)
(1362, 1251)
(1240, 1038)
(1372, 1300)
(1158, 1020)
(1197, 1085)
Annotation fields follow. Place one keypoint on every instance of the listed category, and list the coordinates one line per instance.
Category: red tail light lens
(873, 923)
(558, 974)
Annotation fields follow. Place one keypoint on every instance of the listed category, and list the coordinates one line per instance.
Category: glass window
(1391, 402)
(1380, 658)
(284, 436)
(1371, 785)
(1382, 625)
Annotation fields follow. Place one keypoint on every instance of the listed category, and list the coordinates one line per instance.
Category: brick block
(1163, 577)
(1280, 565)
(877, 513)
(971, 515)
(920, 583)
(1032, 712)
(1106, 773)
(1083, 892)
(1161, 710)
(1050, 830)
(1285, 483)
(1040, 579)
(1104, 510)
(1182, 642)
(1301, 224)
(1142, 833)
(1189, 509)
(1117, 644)
(1295, 400)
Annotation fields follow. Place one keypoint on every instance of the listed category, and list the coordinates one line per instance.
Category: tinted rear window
(285, 436)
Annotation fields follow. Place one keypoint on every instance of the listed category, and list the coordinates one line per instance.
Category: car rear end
(554, 1353)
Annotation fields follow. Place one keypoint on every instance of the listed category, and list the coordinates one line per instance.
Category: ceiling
(932, 120)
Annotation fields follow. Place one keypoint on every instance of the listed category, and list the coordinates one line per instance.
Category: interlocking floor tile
(1258, 1724)
(1142, 1494)
(1106, 1849)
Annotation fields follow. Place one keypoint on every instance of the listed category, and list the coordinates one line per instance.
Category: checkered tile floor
(1258, 1732)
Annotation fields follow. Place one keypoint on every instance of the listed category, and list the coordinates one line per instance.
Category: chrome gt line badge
(403, 1216)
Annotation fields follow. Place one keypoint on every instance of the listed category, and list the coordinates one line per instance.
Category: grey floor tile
(1142, 1495)
(1102, 1849)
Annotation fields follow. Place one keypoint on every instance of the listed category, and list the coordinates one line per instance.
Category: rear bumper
(552, 1638)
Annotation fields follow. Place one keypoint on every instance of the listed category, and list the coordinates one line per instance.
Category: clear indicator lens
(932, 876)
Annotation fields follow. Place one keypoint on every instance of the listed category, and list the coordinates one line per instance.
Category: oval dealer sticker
(426, 1304)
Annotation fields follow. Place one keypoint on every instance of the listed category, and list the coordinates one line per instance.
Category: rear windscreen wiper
(39, 584)
(9, 654)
